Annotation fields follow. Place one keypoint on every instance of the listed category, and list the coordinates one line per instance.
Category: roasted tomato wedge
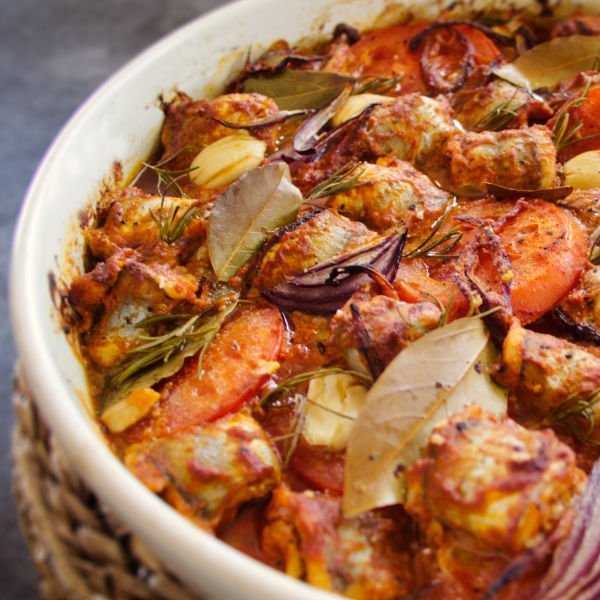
(385, 53)
(421, 56)
(235, 366)
(546, 246)
(319, 467)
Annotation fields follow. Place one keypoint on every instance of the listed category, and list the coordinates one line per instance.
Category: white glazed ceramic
(120, 122)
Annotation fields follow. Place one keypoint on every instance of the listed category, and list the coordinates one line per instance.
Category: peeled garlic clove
(334, 401)
(223, 161)
(583, 171)
(356, 104)
(129, 410)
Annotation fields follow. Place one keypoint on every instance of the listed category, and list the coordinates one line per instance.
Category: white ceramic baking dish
(120, 123)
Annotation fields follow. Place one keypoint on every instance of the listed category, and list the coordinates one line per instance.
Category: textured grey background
(53, 54)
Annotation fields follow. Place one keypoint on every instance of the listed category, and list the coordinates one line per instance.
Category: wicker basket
(79, 548)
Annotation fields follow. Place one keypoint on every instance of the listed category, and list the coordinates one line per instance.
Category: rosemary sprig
(297, 427)
(375, 85)
(577, 416)
(170, 226)
(500, 116)
(287, 385)
(344, 179)
(437, 246)
(196, 333)
(564, 133)
(168, 179)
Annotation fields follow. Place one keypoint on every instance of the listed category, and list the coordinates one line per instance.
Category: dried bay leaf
(547, 64)
(433, 378)
(246, 212)
(549, 194)
(164, 355)
(300, 90)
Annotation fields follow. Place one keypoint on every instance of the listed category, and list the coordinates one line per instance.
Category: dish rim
(89, 454)
(130, 500)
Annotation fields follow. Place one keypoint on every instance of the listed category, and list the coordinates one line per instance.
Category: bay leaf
(433, 378)
(547, 64)
(550, 194)
(163, 358)
(299, 90)
(246, 212)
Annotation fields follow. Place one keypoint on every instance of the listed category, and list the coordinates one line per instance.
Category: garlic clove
(356, 104)
(223, 161)
(583, 171)
(129, 410)
(334, 402)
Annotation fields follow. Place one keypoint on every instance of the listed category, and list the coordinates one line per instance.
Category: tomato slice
(312, 466)
(236, 364)
(546, 246)
(320, 468)
(386, 53)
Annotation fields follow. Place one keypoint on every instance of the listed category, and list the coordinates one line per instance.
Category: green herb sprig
(287, 385)
(170, 222)
(301, 402)
(196, 333)
(500, 116)
(344, 179)
(435, 245)
(577, 416)
(171, 226)
(564, 132)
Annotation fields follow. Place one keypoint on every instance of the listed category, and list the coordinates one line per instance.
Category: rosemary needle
(344, 179)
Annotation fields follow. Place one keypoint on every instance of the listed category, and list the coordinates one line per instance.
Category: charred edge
(503, 40)
(60, 300)
(510, 574)
(263, 72)
(365, 342)
(437, 82)
(277, 235)
(385, 287)
(581, 331)
(255, 126)
(343, 30)
(270, 242)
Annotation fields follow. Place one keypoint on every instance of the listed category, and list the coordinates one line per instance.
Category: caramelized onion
(309, 133)
(316, 291)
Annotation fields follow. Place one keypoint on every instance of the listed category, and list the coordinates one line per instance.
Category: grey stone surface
(53, 54)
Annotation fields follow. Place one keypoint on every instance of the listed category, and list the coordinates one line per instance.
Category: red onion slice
(575, 570)
(309, 134)
(315, 291)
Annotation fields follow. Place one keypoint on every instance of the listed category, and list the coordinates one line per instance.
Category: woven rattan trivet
(80, 550)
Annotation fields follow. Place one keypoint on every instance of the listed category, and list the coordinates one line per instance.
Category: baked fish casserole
(347, 318)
